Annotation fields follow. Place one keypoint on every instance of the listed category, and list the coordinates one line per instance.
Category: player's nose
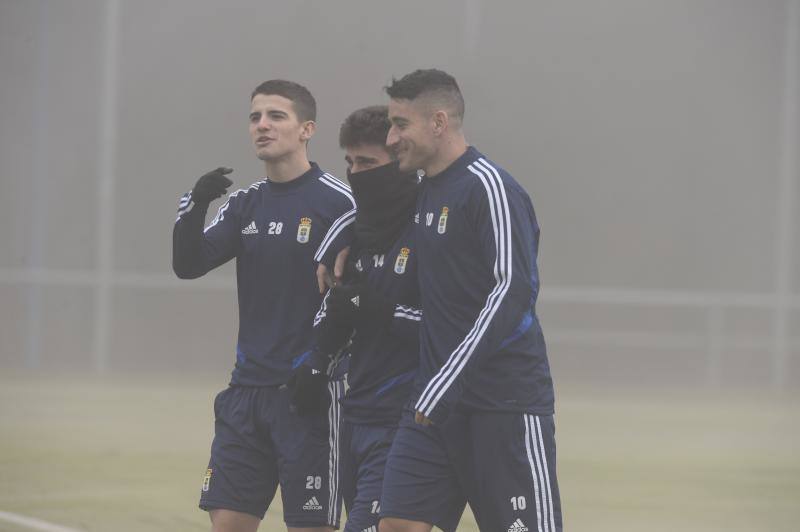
(392, 138)
(263, 124)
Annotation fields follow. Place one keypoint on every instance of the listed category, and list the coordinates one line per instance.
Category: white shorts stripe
(549, 492)
(539, 475)
(339, 395)
(335, 389)
(529, 444)
(331, 453)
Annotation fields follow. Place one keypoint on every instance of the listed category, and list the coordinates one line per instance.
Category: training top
(481, 345)
(384, 359)
(273, 230)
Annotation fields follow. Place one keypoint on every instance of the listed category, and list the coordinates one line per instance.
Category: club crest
(402, 260)
(304, 230)
(207, 480)
(443, 221)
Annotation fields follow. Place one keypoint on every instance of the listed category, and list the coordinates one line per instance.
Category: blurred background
(659, 141)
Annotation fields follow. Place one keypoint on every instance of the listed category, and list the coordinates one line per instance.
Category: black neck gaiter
(386, 200)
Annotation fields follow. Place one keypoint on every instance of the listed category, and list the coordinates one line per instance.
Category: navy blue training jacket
(272, 230)
(383, 360)
(481, 345)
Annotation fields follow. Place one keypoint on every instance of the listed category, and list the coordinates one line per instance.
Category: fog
(658, 140)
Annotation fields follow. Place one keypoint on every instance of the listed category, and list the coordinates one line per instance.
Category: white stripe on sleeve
(335, 184)
(501, 222)
(337, 227)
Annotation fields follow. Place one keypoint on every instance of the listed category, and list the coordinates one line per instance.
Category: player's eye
(255, 117)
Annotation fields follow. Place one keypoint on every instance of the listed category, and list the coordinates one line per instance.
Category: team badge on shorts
(207, 480)
(402, 260)
(304, 230)
(443, 221)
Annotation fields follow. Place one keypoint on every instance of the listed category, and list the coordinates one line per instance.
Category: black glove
(341, 305)
(374, 310)
(308, 391)
(211, 186)
(360, 306)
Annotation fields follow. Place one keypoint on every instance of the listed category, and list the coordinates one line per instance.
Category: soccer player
(480, 426)
(272, 229)
(377, 306)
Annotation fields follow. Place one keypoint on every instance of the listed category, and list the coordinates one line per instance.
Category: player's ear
(307, 130)
(440, 122)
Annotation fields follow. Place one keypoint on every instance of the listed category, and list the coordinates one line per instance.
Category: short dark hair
(369, 125)
(430, 81)
(302, 101)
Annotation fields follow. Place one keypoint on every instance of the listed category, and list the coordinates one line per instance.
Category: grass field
(128, 454)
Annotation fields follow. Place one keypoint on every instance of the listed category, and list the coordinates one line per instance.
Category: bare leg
(230, 521)
(393, 524)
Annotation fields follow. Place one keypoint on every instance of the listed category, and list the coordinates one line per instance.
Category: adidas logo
(518, 526)
(250, 229)
(355, 301)
(313, 504)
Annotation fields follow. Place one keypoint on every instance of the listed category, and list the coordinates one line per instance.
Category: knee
(388, 525)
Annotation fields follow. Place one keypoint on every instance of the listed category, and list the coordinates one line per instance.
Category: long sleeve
(339, 236)
(506, 235)
(196, 251)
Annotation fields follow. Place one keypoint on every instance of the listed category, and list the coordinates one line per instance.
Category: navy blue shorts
(504, 464)
(514, 466)
(259, 444)
(426, 472)
(363, 453)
